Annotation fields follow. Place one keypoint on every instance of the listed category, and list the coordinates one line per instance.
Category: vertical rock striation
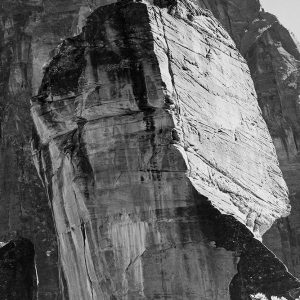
(157, 161)
(29, 31)
(24, 209)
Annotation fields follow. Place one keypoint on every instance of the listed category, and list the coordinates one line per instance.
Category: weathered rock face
(157, 161)
(29, 31)
(235, 15)
(17, 270)
(274, 62)
(273, 56)
(24, 209)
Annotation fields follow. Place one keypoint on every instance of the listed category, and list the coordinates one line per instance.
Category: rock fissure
(82, 227)
(134, 260)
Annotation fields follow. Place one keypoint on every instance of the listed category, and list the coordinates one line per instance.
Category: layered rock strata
(157, 161)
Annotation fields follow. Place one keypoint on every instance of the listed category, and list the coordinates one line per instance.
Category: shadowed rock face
(17, 271)
(29, 31)
(157, 162)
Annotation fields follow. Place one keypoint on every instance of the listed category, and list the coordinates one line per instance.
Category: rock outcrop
(29, 32)
(26, 39)
(273, 55)
(160, 170)
(274, 63)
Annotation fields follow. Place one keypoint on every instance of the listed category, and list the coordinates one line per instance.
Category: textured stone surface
(157, 161)
(274, 62)
(272, 54)
(17, 270)
(29, 31)
(24, 209)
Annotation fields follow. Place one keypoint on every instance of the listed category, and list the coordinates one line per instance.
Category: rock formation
(274, 63)
(29, 32)
(158, 164)
(272, 54)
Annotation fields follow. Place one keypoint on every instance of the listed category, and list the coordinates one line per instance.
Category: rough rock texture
(29, 31)
(17, 270)
(24, 210)
(157, 161)
(274, 62)
(273, 55)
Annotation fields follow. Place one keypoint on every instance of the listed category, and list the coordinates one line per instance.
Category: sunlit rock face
(274, 63)
(157, 161)
(272, 54)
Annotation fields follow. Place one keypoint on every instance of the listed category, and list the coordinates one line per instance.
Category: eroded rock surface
(28, 33)
(157, 161)
(272, 54)
(274, 63)
(30, 30)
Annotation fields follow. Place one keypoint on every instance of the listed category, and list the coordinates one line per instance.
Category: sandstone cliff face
(274, 62)
(31, 29)
(273, 56)
(24, 210)
(157, 161)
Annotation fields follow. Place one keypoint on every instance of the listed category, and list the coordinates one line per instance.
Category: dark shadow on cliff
(17, 270)
(259, 270)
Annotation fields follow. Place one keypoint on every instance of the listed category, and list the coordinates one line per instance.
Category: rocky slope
(157, 161)
(29, 32)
